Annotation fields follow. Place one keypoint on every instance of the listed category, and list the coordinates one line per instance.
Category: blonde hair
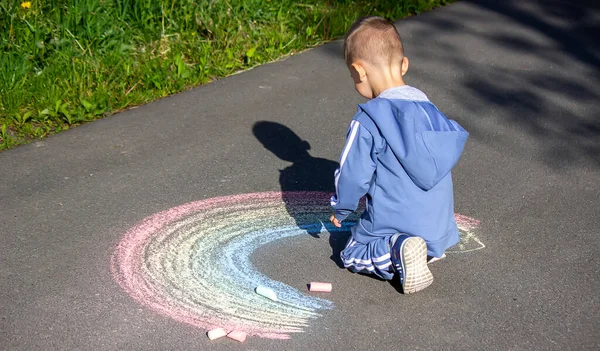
(374, 40)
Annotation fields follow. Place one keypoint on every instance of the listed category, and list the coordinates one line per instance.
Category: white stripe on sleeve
(353, 131)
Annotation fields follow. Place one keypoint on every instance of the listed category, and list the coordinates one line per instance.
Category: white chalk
(266, 292)
(320, 287)
(237, 335)
(216, 333)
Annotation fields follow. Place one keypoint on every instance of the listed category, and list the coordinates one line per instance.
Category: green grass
(67, 62)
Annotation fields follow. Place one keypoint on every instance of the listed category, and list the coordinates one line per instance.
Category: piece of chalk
(237, 335)
(266, 292)
(320, 287)
(216, 333)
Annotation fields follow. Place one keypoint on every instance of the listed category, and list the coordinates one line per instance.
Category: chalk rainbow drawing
(468, 241)
(193, 262)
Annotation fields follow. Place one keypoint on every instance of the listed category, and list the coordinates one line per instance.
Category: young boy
(399, 152)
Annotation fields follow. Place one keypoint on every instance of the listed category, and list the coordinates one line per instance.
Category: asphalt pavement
(521, 76)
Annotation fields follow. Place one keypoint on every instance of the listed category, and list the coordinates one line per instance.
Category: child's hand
(335, 221)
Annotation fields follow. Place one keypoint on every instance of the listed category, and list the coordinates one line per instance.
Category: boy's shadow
(306, 173)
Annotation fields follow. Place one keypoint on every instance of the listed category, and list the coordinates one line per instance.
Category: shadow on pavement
(554, 103)
(306, 173)
(535, 70)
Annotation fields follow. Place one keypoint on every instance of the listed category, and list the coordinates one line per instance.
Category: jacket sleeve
(355, 173)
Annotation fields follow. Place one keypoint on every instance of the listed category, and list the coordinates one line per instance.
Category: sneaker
(409, 260)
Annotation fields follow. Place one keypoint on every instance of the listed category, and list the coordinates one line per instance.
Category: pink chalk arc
(191, 262)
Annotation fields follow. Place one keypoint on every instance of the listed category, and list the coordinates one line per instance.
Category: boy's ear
(362, 73)
(404, 65)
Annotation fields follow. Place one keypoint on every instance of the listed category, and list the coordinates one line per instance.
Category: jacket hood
(426, 143)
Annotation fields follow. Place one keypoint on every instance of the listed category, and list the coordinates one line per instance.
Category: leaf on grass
(87, 105)
(26, 116)
(186, 74)
(250, 53)
(126, 48)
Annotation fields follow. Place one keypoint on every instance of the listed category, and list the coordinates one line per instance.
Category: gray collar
(405, 92)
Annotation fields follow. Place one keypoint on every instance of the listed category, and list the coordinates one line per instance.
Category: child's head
(375, 56)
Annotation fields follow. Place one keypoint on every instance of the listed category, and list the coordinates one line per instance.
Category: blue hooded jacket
(399, 153)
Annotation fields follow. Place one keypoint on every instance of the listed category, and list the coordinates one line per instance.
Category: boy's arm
(355, 173)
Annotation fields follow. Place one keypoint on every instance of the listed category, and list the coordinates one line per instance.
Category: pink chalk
(320, 287)
(237, 335)
(216, 333)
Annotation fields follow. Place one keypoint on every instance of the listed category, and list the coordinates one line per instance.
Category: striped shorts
(370, 258)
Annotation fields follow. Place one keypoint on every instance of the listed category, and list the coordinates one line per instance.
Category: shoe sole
(414, 259)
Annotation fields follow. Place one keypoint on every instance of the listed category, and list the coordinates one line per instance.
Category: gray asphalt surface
(522, 77)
